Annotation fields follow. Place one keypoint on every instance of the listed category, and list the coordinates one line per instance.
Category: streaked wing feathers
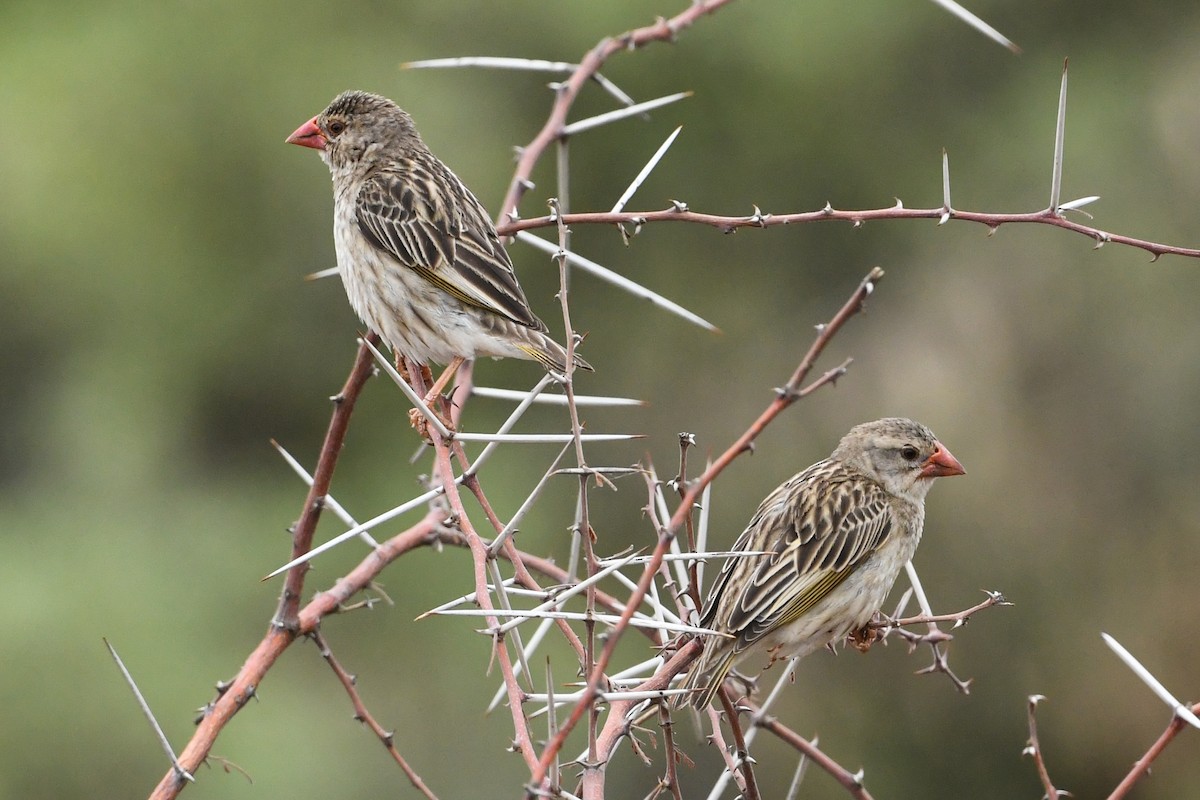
(424, 217)
(819, 526)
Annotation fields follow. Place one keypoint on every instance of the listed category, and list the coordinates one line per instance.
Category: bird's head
(355, 125)
(901, 454)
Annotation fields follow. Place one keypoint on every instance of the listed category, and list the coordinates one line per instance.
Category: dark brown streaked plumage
(420, 259)
(836, 536)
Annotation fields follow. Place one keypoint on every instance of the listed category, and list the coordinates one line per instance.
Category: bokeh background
(155, 332)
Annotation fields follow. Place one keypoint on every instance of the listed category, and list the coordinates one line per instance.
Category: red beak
(308, 135)
(942, 464)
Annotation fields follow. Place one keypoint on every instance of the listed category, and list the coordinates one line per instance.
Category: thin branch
(1142, 765)
(479, 557)
(306, 526)
(664, 30)
(851, 781)
(717, 739)
(670, 780)
(935, 638)
(235, 694)
(784, 679)
(743, 762)
(958, 617)
(727, 224)
(1034, 749)
(364, 716)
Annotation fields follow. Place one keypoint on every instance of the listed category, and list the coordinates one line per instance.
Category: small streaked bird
(835, 536)
(420, 259)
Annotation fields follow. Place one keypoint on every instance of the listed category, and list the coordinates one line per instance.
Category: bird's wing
(819, 527)
(426, 219)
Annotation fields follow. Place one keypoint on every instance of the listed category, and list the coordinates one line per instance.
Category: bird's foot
(862, 638)
(420, 378)
(420, 423)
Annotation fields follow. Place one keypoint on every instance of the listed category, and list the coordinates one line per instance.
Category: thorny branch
(934, 637)
(1034, 749)
(742, 761)
(784, 398)
(292, 621)
(1142, 766)
(388, 738)
(306, 526)
(233, 695)
(680, 213)
(664, 30)
(850, 781)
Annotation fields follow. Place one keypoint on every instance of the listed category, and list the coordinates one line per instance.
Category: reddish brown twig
(742, 760)
(762, 220)
(479, 557)
(850, 781)
(302, 531)
(664, 30)
(232, 696)
(1034, 749)
(364, 716)
(1142, 766)
(670, 779)
(958, 617)
(618, 724)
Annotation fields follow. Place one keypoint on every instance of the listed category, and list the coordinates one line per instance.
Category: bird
(832, 540)
(420, 259)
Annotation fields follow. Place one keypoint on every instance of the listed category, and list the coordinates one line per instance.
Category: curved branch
(232, 696)
(664, 30)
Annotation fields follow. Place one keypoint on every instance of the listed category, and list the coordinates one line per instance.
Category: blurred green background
(156, 331)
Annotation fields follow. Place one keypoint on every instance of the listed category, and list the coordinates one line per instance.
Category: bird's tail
(550, 354)
(706, 678)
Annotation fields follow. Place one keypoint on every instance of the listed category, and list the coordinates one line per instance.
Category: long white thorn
(640, 621)
(418, 403)
(142, 704)
(945, 188)
(646, 170)
(560, 598)
(1181, 711)
(1060, 129)
(978, 24)
(545, 438)
(330, 503)
(556, 399)
(356, 530)
(492, 62)
(606, 274)
(621, 113)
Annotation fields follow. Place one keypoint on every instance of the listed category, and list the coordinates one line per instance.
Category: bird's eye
(909, 453)
(336, 127)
